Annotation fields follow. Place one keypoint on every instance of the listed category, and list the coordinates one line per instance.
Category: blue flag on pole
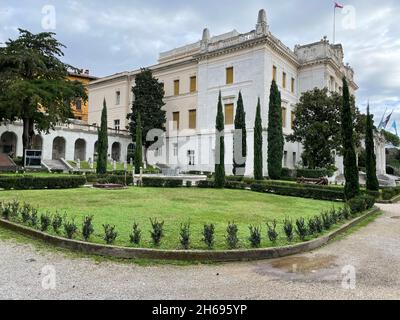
(394, 126)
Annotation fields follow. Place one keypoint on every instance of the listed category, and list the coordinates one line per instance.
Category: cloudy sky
(113, 36)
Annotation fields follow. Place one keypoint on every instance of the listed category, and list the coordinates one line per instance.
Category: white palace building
(193, 76)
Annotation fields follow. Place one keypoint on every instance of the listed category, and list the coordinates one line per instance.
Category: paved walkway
(373, 253)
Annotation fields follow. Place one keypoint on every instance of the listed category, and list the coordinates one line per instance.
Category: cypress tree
(275, 133)
(372, 180)
(352, 187)
(240, 134)
(220, 158)
(102, 142)
(138, 145)
(258, 145)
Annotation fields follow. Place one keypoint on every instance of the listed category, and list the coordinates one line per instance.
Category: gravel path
(373, 253)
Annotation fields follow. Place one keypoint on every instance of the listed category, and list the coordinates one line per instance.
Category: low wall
(183, 255)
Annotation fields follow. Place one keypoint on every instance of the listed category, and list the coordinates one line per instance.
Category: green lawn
(174, 206)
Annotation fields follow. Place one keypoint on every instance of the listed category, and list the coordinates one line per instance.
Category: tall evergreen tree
(275, 133)
(352, 188)
(372, 179)
(138, 145)
(240, 137)
(258, 145)
(220, 146)
(148, 93)
(102, 142)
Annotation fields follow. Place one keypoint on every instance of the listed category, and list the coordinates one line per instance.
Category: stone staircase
(56, 165)
(6, 163)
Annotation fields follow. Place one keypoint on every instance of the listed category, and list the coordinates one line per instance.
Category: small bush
(288, 229)
(15, 208)
(45, 221)
(208, 235)
(312, 227)
(346, 214)
(272, 233)
(57, 222)
(26, 213)
(301, 229)
(232, 239)
(87, 227)
(157, 231)
(361, 203)
(185, 235)
(109, 234)
(70, 228)
(6, 211)
(255, 236)
(319, 225)
(334, 216)
(33, 220)
(136, 234)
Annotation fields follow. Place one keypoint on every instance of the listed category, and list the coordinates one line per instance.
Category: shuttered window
(176, 87)
(175, 119)
(192, 119)
(284, 117)
(229, 114)
(229, 75)
(274, 70)
(193, 84)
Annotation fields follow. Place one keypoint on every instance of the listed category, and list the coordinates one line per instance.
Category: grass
(175, 206)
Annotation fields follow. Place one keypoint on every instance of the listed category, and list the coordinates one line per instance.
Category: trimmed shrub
(26, 182)
(288, 229)
(15, 208)
(26, 213)
(33, 219)
(326, 220)
(173, 183)
(157, 231)
(57, 222)
(162, 183)
(208, 235)
(272, 233)
(255, 236)
(206, 184)
(361, 203)
(301, 229)
(232, 239)
(87, 227)
(70, 228)
(136, 234)
(312, 226)
(185, 235)
(313, 173)
(45, 222)
(109, 234)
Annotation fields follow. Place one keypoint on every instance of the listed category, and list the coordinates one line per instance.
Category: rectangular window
(229, 75)
(229, 114)
(293, 117)
(293, 85)
(294, 159)
(118, 98)
(191, 157)
(284, 80)
(193, 84)
(175, 149)
(192, 119)
(117, 125)
(285, 154)
(158, 152)
(78, 104)
(176, 87)
(175, 119)
(284, 117)
(274, 71)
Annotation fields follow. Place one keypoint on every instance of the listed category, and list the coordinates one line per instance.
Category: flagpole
(334, 24)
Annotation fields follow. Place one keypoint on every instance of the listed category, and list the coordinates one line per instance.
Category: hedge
(162, 183)
(26, 182)
(313, 173)
(300, 191)
(390, 193)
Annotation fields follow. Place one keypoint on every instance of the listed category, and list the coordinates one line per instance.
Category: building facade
(193, 76)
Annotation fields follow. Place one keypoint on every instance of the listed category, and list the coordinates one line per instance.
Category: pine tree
(138, 145)
(352, 188)
(372, 180)
(102, 142)
(258, 145)
(220, 152)
(275, 133)
(240, 137)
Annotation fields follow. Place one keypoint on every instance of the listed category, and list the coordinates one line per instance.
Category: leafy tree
(220, 144)
(317, 126)
(275, 133)
(241, 136)
(372, 180)
(391, 138)
(102, 142)
(258, 145)
(148, 100)
(138, 145)
(33, 84)
(352, 187)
